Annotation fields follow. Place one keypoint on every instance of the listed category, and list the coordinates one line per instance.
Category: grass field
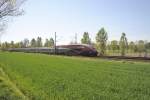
(44, 77)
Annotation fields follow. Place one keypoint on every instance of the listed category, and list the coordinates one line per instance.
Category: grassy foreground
(8, 90)
(44, 77)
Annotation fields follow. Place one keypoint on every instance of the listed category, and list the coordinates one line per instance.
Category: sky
(68, 17)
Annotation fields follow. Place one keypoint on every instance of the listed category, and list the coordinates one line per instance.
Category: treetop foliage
(9, 8)
(123, 44)
(101, 40)
(86, 38)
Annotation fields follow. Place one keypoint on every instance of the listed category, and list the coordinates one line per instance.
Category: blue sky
(67, 17)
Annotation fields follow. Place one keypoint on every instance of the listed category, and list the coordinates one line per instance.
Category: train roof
(44, 48)
(87, 45)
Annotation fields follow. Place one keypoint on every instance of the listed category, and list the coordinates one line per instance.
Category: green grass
(44, 77)
(8, 90)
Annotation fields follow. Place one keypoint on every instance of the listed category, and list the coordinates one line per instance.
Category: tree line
(27, 43)
(117, 48)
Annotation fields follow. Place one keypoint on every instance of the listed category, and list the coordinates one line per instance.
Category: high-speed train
(71, 50)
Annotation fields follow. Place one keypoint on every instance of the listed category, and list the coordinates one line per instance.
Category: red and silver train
(71, 50)
(82, 50)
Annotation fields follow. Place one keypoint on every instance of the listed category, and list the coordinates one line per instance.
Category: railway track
(125, 58)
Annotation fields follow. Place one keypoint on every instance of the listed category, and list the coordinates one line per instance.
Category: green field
(44, 77)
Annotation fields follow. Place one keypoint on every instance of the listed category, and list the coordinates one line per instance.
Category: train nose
(93, 53)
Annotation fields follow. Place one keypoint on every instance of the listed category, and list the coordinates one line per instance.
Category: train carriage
(71, 50)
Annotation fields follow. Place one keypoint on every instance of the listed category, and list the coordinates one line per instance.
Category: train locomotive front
(80, 50)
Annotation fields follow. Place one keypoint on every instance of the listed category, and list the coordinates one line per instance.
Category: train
(70, 50)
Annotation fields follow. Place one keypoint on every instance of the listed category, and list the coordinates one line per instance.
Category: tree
(108, 46)
(9, 8)
(101, 41)
(33, 43)
(39, 42)
(123, 44)
(147, 48)
(46, 43)
(141, 47)
(51, 41)
(21, 44)
(86, 39)
(147, 45)
(26, 43)
(132, 47)
(114, 45)
(0, 45)
(5, 45)
(12, 45)
(17, 45)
